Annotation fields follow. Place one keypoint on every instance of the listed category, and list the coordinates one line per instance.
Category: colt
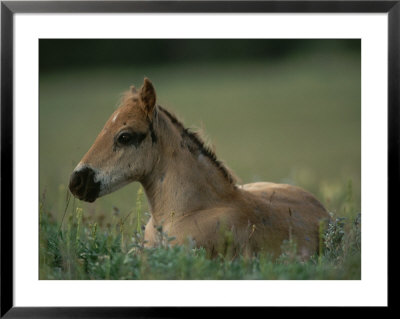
(190, 192)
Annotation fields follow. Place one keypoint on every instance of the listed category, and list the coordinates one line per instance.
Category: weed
(82, 249)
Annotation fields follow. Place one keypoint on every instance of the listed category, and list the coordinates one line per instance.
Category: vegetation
(81, 249)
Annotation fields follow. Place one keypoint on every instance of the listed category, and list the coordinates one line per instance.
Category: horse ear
(148, 96)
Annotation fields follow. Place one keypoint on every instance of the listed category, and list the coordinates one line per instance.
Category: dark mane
(196, 145)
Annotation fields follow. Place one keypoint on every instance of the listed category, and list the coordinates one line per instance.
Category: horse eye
(125, 138)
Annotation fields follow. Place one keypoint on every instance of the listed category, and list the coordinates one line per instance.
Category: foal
(192, 194)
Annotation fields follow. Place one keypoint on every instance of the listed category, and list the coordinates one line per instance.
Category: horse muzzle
(83, 186)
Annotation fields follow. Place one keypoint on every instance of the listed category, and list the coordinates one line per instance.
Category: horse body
(259, 215)
(191, 194)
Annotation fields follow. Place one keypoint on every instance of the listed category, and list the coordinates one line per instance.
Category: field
(295, 120)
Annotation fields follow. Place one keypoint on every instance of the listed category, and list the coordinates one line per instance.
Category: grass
(81, 249)
(296, 121)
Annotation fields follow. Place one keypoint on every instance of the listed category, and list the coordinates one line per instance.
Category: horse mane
(197, 145)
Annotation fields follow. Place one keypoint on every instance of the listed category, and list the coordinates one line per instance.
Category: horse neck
(184, 180)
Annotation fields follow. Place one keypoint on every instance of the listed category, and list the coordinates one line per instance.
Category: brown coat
(191, 194)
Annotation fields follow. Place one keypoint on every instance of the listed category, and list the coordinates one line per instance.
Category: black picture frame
(9, 8)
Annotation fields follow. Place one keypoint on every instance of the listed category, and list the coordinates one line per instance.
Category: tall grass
(81, 249)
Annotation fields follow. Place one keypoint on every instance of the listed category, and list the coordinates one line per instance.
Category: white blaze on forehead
(115, 117)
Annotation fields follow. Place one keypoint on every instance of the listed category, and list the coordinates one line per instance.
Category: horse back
(283, 212)
(259, 217)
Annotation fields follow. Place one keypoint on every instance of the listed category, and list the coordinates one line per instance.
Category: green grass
(80, 249)
(296, 121)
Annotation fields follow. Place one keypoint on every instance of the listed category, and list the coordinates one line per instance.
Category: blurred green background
(275, 110)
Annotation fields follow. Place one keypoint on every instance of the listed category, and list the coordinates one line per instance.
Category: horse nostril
(83, 185)
(75, 182)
